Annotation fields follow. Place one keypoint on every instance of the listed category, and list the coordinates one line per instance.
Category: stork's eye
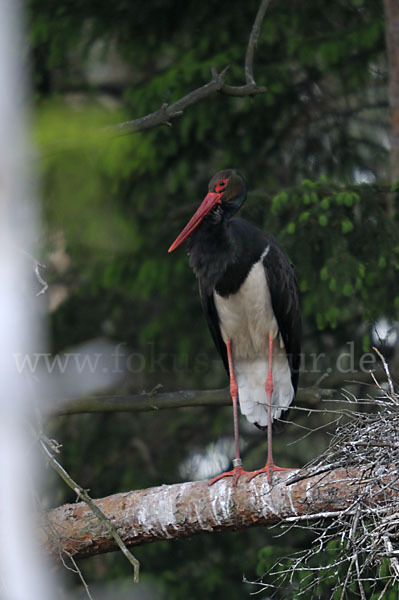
(221, 184)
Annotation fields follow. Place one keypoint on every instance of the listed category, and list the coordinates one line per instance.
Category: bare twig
(390, 552)
(386, 369)
(365, 533)
(36, 269)
(81, 493)
(40, 279)
(62, 553)
(253, 42)
(82, 579)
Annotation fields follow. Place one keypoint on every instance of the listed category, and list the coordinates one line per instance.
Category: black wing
(285, 302)
(212, 318)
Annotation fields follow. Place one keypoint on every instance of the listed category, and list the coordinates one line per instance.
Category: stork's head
(227, 191)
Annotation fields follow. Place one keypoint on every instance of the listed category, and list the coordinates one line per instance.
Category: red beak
(209, 202)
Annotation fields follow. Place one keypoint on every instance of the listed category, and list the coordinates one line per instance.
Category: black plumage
(250, 298)
(221, 254)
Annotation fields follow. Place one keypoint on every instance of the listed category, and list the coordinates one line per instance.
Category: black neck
(222, 252)
(211, 250)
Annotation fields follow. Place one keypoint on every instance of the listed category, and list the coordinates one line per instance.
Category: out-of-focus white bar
(22, 574)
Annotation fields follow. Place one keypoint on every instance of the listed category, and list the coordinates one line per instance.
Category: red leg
(238, 470)
(269, 467)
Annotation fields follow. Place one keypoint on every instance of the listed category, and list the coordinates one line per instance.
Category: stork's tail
(251, 378)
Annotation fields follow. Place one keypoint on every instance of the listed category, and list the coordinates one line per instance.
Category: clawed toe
(235, 473)
(269, 469)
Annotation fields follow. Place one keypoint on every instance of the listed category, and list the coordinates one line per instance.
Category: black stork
(249, 295)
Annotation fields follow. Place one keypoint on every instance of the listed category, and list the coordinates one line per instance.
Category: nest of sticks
(354, 552)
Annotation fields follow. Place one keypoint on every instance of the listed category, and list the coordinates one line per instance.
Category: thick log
(186, 509)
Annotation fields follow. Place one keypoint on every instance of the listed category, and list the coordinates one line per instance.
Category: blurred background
(315, 150)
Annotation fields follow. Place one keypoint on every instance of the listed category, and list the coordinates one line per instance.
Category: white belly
(247, 319)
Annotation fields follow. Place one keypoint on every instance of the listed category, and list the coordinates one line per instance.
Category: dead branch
(167, 112)
(106, 522)
(253, 42)
(40, 279)
(36, 269)
(148, 401)
(186, 509)
(359, 545)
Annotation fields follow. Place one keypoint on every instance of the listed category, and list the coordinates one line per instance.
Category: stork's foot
(269, 469)
(235, 473)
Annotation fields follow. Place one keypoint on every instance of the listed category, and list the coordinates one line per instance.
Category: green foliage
(342, 274)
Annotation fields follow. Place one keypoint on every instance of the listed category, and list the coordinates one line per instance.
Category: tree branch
(167, 112)
(163, 115)
(253, 42)
(186, 509)
(92, 506)
(36, 269)
(148, 401)
(40, 279)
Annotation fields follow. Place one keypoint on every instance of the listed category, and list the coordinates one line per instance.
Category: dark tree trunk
(392, 40)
